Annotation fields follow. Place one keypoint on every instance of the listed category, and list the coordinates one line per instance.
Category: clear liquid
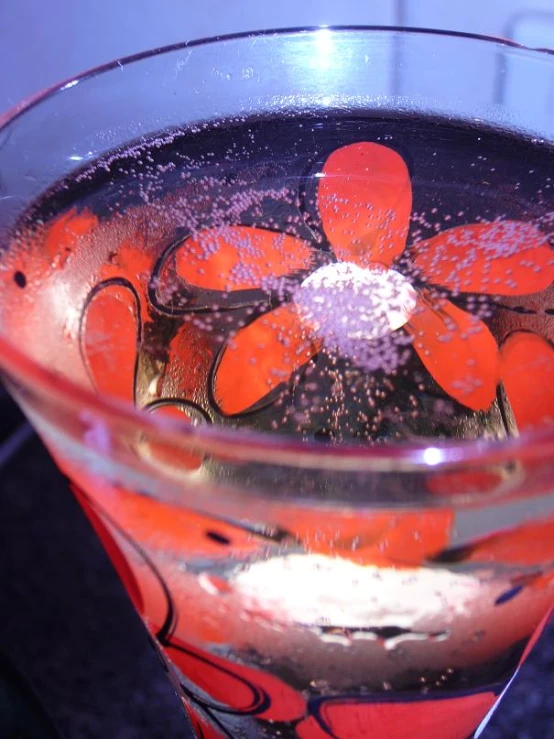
(171, 206)
(328, 604)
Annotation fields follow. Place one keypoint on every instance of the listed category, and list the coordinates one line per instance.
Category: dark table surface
(67, 624)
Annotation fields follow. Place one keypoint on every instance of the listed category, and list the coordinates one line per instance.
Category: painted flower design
(357, 290)
(361, 291)
(364, 202)
(219, 691)
(366, 287)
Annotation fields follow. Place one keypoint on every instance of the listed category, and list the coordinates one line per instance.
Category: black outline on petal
(262, 403)
(261, 699)
(177, 403)
(209, 301)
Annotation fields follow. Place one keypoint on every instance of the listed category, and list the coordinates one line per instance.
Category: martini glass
(280, 307)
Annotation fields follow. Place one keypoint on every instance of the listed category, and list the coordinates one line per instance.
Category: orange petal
(63, 234)
(387, 538)
(260, 357)
(133, 262)
(499, 258)
(239, 257)
(364, 200)
(110, 335)
(33, 270)
(41, 253)
(527, 369)
(458, 350)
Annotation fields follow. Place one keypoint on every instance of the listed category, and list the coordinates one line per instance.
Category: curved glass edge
(25, 105)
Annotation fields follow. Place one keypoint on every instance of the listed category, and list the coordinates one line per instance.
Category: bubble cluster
(350, 308)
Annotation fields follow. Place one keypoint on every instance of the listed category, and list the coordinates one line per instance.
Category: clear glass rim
(264, 447)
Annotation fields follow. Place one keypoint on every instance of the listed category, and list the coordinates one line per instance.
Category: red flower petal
(364, 200)
(186, 534)
(527, 545)
(447, 718)
(260, 357)
(239, 257)
(156, 538)
(110, 334)
(499, 258)
(387, 538)
(64, 233)
(133, 262)
(458, 350)
(464, 482)
(40, 254)
(168, 455)
(246, 690)
(33, 272)
(527, 369)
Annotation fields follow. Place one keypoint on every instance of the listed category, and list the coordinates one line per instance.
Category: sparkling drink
(316, 344)
(299, 277)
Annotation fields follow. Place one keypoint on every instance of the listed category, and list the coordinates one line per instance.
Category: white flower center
(344, 302)
(318, 590)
